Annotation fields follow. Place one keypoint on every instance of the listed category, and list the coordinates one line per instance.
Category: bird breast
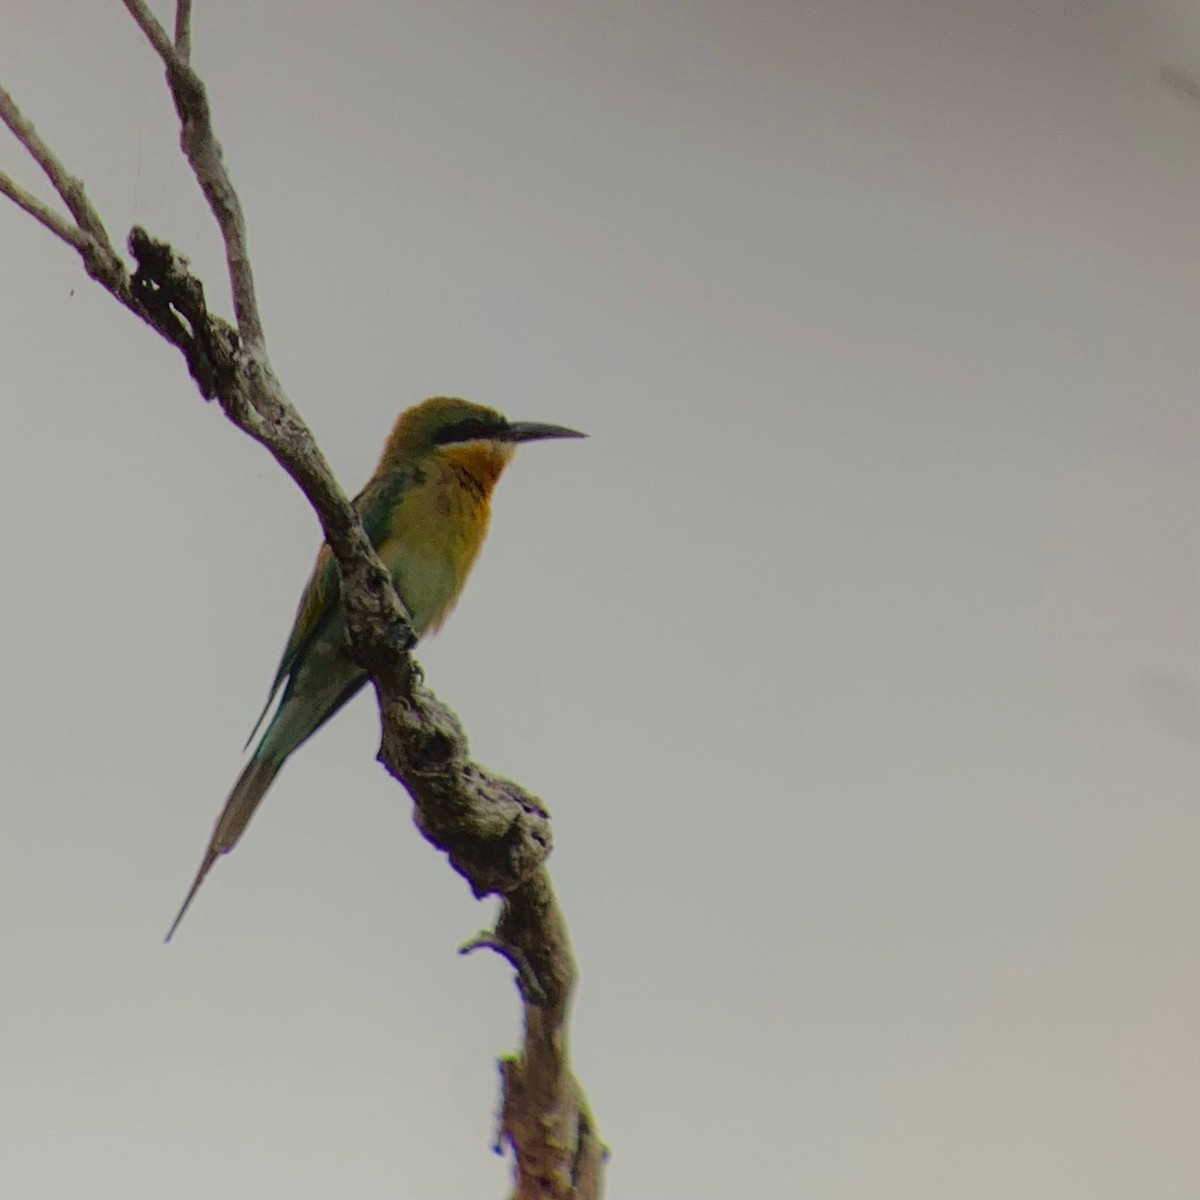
(437, 531)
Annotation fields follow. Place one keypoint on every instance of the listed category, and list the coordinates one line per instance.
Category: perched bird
(426, 511)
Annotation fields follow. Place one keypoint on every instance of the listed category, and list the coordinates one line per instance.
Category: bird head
(458, 429)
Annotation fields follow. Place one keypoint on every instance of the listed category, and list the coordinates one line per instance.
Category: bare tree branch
(203, 152)
(183, 30)
(494, 833)
(527, 981)
(64, 183)
(59, 226)
(149, 24)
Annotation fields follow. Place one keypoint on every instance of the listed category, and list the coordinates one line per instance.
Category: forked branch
(203, 152)
(494, 832)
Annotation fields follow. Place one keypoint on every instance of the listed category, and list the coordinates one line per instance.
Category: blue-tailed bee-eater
(426, 511)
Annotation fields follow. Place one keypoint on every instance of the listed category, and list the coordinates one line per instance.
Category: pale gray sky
(857, 654)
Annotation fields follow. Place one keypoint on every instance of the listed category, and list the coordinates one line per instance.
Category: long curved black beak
(534, 431)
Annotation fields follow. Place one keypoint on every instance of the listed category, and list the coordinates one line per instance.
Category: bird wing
(315, 602)
(319, 601)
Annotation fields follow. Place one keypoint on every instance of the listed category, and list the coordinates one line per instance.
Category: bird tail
(250, 788)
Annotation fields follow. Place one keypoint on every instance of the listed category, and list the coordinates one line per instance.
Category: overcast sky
(857, 653)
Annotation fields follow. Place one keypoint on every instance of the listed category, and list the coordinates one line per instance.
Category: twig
(203, 152)
(64, 183)
(530, 987)
(183, 30)
(59, 226)
(149, 24)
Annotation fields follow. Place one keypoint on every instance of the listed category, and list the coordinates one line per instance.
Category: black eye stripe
(465, 431)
